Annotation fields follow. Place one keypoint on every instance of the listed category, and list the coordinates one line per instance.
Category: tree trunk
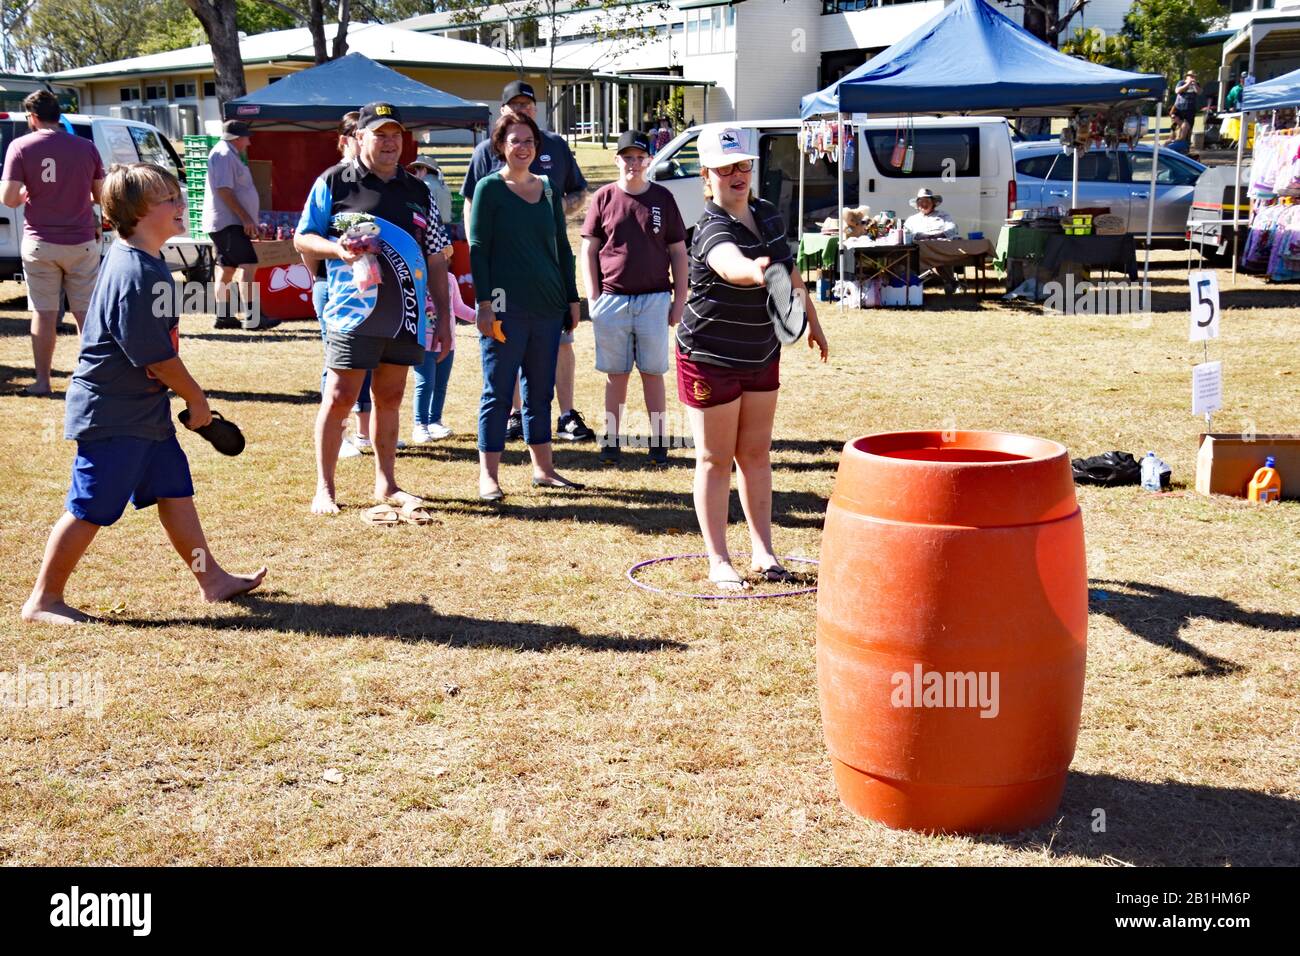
(316, 26)
(341, 38)
(218, 20)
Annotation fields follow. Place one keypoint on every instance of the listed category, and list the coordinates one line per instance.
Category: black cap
(234, 129)
(377, 114)
(517, 88)
(633, 139)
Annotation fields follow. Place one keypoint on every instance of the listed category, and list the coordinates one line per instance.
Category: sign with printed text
(1207, 387)
(1205, 306)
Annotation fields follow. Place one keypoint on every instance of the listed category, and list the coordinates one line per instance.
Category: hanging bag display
(900, 149)
(909, 155)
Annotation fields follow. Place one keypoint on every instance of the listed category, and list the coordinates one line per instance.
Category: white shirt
(935, 225)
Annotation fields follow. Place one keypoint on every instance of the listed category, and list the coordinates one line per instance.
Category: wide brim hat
(925, 194)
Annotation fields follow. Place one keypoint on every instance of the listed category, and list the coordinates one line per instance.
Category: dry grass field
(492, 690)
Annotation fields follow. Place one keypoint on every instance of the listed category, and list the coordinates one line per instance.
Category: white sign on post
(1205, 306)
(1207, 388)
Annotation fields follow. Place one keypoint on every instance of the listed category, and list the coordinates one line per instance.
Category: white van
(119, 141)
(966, 159)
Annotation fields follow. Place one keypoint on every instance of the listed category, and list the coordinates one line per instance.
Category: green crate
(199, 141)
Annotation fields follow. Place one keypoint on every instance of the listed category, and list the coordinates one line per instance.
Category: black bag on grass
(1111, 470)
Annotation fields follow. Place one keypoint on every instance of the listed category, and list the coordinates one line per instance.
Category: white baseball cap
(722, 145)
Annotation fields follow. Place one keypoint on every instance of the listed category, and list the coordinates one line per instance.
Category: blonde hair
(131, 189)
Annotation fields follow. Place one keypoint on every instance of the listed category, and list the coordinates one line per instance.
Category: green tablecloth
(817, 251)
(1019, 242)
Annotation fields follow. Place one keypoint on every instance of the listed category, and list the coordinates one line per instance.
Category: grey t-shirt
(131, 323)
(227, 170)
(553, 160)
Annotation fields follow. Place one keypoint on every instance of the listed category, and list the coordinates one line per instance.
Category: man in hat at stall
(230, 210)
(931, 222)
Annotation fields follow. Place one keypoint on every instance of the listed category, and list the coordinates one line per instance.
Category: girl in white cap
(728, 354)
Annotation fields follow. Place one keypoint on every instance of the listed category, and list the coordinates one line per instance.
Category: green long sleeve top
(520, 250)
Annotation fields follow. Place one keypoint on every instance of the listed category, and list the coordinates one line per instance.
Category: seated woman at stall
(931, 222)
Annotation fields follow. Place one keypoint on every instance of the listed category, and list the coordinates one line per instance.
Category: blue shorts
(631, 329)
(109, 472)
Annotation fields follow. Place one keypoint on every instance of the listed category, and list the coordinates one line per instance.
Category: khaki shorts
(51, 269)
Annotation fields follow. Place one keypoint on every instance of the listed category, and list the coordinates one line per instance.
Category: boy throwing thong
(117, 408)
(632, 236)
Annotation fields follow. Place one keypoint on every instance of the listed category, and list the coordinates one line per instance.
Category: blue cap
(1269, 462)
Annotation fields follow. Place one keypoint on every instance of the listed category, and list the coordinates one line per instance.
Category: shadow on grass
(1169, 824)
(1157, 615)
(253, 337)
(641, 510)
(311, 397)
(404, 621)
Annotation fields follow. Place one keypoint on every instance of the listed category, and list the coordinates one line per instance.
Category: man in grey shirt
(230, 208)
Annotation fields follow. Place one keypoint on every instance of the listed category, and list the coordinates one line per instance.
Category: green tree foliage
(1159, 35)
(1096, 46)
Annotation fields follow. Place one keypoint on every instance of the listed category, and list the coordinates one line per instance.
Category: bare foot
(725, 577)
(37, 390)
(52, 612)
(228, 586)
(399, 498)
(323, 503)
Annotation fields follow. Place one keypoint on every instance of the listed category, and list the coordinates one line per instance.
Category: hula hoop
(631, 576)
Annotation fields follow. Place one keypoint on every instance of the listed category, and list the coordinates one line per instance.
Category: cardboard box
(261, 170)
(275, 252)
(1225, 463)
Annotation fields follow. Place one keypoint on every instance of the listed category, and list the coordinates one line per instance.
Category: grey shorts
(631, 330)
(344, 350)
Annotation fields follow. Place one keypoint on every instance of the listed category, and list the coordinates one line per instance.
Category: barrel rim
(1045, 449)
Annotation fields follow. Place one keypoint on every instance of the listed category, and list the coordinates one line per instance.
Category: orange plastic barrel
(952, 618)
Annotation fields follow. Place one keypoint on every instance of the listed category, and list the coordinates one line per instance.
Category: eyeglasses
(744, 166)
(520, 143)
(634, 160)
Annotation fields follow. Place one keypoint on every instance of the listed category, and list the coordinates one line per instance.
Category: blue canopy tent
(971, 59)
(323, 93)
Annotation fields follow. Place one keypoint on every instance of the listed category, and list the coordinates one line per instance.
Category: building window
(155, 91)
(692, 32)
(209, 87)
(183, 91)
(129, 94)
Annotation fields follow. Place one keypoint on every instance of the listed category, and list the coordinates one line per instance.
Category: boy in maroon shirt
(632, 237)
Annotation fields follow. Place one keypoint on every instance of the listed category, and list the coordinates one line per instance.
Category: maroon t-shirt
(57, 168)
(633, 234)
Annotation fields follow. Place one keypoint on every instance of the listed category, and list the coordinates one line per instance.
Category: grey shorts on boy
(631, 329)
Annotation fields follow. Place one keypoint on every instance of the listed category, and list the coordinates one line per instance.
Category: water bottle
(1151, 472)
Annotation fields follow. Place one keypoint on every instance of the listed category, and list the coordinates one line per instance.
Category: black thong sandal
(224, 436)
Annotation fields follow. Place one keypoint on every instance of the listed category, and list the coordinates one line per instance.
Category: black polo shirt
(726, 324)
(401, 205)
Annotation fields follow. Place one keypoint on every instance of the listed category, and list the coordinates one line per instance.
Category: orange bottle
(1267, 483)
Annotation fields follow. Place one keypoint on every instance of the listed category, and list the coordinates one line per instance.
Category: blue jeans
(431, 387)
(531, 346)
(318, 303)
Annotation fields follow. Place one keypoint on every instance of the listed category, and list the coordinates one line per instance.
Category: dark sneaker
(227, 324)
(611, 455)
(571, 427)
(658, 455)
(515, 426)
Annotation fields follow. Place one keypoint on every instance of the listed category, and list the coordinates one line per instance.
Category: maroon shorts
(701, 385)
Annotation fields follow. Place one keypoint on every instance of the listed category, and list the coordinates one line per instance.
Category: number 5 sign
(1205, 306)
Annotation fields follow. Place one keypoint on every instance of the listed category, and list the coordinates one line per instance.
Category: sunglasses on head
(744, 166)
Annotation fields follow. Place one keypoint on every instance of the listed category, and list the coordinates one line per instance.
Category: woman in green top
(524, 283)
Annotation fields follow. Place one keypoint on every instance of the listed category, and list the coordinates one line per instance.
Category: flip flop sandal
(382, 516)
(784, 308)
(562, 484)
(775, 574)
(224, 436)
(414, 512)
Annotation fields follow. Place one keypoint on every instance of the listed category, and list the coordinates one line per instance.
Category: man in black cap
(378, 231)
(554, 161)
(230, 209)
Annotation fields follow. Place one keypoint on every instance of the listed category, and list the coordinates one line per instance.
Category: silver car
(1120, 179)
